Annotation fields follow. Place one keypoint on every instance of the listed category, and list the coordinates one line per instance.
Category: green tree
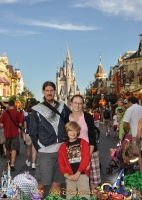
(28, 93)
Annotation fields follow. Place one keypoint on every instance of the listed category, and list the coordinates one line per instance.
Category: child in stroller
(122, 157)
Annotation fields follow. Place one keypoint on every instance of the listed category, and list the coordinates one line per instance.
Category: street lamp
(112, 85)
(127, 86)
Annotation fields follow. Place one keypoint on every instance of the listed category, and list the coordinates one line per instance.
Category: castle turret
(72, 72)
(64, 67)
(68, 76)
(100, 73)
(74, 85)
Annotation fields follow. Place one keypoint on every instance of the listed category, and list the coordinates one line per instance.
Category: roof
(136, 54)
(100, 69)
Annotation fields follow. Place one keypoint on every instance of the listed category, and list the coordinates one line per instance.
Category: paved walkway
(105, 144)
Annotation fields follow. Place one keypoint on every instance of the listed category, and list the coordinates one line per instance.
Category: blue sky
(36, 33)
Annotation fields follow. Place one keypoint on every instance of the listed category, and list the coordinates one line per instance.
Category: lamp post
(127, 86)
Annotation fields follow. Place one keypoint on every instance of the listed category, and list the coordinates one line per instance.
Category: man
(131, 119)
(47, 134)
(11, 120)
(106, 120)
(139, 139)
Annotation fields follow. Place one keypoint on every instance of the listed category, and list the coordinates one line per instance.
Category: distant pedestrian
(115, 125)
(74, 159)
(11, 120)
(31, 152)
(107, 120)
(96, 116)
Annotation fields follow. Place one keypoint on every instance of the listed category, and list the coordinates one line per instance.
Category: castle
(65, 81)
(8, 189)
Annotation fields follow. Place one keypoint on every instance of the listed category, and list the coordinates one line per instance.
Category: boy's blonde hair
(72, 126)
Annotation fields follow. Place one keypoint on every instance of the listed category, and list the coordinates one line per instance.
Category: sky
(36, 33)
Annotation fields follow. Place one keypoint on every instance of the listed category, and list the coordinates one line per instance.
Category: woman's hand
(88, 167)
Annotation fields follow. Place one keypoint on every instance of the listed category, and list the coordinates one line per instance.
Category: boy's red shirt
(64, 164)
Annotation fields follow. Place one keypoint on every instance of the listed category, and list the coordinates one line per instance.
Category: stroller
(122, 157)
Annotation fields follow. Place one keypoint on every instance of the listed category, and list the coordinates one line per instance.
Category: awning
(139, 72)
(4, 80)
(130, 74)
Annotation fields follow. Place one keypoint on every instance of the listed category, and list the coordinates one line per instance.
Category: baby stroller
(122, 157)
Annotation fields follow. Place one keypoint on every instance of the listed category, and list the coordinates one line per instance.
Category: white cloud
(22, 1)
(3, 30)
(8, 1)
(18, 32)
(65, 26)
(125, 8)
(23, 33)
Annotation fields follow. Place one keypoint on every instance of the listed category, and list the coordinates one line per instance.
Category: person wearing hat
(121, 130)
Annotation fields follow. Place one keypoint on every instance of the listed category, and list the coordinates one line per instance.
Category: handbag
(136, 146)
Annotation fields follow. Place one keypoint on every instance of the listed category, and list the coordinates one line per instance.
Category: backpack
(106, 114)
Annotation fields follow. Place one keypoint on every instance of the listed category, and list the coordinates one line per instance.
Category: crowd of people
(62, 141)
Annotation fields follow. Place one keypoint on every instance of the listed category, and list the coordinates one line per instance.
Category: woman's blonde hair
(72, 126)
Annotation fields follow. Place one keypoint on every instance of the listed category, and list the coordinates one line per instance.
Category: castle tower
(66, 81)
(68, 75)
(100, 73)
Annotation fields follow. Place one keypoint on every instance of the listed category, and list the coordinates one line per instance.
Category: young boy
(74, 160)
(119, 110)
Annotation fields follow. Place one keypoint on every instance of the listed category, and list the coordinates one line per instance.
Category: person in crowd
(11, 120)
(121, 123)
(47, 132)
(31, 152)
(119, 111)
(96, 116)
(2, 142)
(74, 159)
(139, 140)
(115, 125)
(87, 132)
(107, 120)
(131, 118)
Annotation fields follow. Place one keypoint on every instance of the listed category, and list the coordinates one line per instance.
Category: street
(105, 144)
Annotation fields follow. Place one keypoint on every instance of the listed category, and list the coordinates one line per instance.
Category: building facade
(9, 80)
(66, 81)
(126, 78)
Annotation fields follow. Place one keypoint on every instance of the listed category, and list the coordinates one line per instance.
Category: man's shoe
(33, 166)
(28, 163)
(12, 168)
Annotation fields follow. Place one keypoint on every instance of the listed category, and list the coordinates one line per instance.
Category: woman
(31, 152)
(86, 122)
